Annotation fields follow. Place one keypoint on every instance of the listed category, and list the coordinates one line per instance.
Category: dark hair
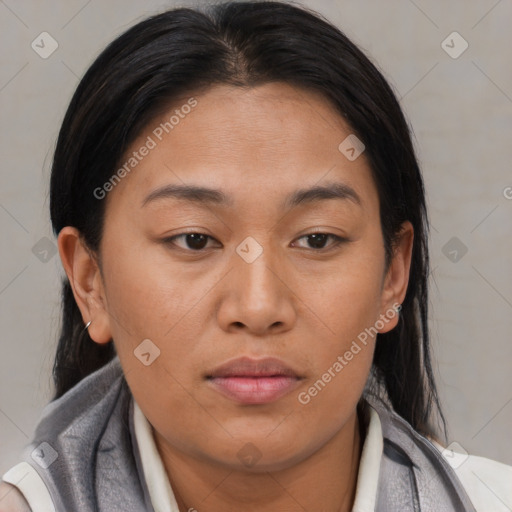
(244, 44)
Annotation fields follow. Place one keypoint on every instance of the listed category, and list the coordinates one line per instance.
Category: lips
(253, 381)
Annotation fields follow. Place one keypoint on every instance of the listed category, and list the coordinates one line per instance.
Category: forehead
(259, 143)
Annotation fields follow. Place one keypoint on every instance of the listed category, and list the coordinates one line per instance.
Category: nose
(256, 297)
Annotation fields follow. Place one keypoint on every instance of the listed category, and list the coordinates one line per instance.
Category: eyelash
(338, 240)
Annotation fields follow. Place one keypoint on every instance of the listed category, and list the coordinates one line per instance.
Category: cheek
(150, 299)
(344, 350)
(347, 297)
(146, 293)
(326, 403)
(348, 303)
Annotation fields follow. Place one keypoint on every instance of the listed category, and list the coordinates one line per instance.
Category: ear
(396, 280)
(86, 281)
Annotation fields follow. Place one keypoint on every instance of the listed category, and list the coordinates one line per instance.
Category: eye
(318, 240)
(197, 242)
(192, 241)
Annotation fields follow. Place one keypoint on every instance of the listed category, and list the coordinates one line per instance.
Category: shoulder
(11, 499)
(487, 482)
(23, 490)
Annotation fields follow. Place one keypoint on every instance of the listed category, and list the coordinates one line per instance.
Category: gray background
(461, 112)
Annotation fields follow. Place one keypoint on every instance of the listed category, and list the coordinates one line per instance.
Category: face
(243, 233)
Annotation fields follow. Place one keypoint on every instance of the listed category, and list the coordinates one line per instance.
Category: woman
(242, 222)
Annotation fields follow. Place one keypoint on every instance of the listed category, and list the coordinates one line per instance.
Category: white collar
(162, 496)
(369, 466)
(160, 492)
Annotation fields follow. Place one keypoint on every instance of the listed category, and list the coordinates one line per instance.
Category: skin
(302, 304)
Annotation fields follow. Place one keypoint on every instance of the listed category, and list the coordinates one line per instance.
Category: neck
(325, 480)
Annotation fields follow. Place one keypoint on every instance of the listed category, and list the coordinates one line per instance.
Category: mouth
(253, 381)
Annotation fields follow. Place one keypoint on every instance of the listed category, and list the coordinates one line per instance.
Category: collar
(162, 496)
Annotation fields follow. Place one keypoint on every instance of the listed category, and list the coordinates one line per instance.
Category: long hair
(244, 44)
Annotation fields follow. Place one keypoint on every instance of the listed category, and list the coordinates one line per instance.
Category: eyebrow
(331, 190)
(205, 195)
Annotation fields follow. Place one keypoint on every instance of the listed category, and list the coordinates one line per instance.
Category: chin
(259, 453)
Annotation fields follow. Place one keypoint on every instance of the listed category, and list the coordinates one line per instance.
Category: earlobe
(397, 277)
(84, 275)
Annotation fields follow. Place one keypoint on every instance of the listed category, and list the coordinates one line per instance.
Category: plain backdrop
(460, 107)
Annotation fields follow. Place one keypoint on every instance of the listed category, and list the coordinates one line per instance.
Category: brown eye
(319, 240)
(191, 241)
